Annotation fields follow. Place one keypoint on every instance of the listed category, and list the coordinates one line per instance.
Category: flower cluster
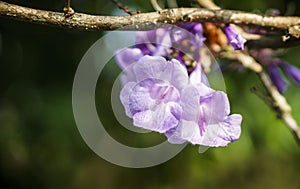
(275, 66)
(161, 94)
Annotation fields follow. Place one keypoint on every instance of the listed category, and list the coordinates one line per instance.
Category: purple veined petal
(277, 79)
(215, 107)
(140, 97)
(177, 73)
(190, 100)
(173, 135)
(235, 39)
(149, 67)
(124, 97)
(128, 56)
(185, 131)
(162, 118)
(233, 126)
(292, 71)
(150, 92)
(216, 135)
(157, 67)
(205, 119)
(198, 76)
(220, 134)
(154, 105)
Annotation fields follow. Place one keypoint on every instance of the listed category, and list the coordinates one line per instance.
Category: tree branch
(272, 42)
(123, 7)
(279, 103)
(86, 22)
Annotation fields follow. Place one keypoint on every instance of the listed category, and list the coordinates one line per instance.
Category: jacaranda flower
(163, 98)
(205, 118)
(153, 100)
(159, 93)
(292, 71)
(234, 38)
(277, 78)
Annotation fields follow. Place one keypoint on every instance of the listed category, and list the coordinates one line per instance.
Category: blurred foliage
(40, 146)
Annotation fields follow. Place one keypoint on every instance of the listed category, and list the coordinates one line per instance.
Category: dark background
(40, 146)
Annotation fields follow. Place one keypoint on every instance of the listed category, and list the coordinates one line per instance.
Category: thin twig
(145, 21)
(123, 7)
(208, 4)
(68, 10)
(272, 42)
(155, 5)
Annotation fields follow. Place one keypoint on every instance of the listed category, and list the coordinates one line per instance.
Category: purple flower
(164, 99)
(291, 71)
(126, 58)
(155, 42)
(235, 39)
(187, 39)
(277, 78)
(153, 100)
(160, 95)
(184, 38)
(266, 57)
(205, 118)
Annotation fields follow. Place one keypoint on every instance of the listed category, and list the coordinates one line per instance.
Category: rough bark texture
(87, 22)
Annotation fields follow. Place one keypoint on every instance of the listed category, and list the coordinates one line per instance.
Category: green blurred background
(40, 146)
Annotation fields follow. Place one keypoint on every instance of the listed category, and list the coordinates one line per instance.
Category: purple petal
(222, 133)
(216, 135)
(205, 119)
(186, 131)
(124, 97)
(198, 41)
(157, 67)
(198, 76)
(215, 107)
(154, 105)
(292, 71)
(154, 42)
(277, 79)
(149, 67)
(178, 35)
(235, 39)
(163, 43)
(190, 100)
(160, 119)
(177, 73)
(128, 56)
(192, 27)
